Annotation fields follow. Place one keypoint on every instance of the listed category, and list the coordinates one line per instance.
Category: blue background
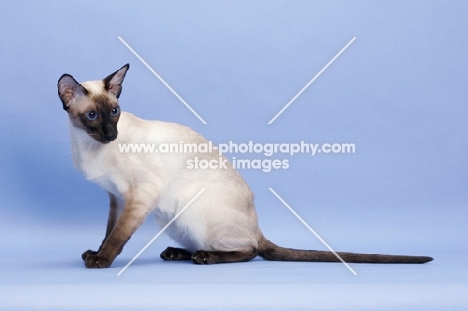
(399, 93)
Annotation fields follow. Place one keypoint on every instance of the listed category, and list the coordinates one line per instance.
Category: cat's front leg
(115, 208)
(132, 217)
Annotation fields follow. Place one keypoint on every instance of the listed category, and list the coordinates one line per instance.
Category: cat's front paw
(88, 252)
(93, 260)
(202, 258)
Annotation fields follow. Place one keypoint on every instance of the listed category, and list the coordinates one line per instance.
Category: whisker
(84, 142)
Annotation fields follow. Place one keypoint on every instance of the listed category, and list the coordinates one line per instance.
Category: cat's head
(93, 106)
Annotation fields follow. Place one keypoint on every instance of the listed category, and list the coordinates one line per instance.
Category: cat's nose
(110, 133)
(111, 136)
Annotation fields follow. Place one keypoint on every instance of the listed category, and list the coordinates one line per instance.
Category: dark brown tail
(271, 251)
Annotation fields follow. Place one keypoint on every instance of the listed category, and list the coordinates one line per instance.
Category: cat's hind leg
(205, 257)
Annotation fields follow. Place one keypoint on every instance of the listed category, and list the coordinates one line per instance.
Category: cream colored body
(222, 218)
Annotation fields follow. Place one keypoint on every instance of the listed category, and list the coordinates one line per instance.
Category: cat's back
(137, 130)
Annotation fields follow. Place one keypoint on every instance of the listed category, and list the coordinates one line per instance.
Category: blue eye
(92, 115)
(115, 111)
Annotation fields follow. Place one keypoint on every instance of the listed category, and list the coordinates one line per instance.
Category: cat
(220, 226)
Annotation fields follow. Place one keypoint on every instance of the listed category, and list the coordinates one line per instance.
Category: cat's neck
(84, 149)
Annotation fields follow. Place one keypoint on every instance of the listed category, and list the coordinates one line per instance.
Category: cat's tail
(270, 251)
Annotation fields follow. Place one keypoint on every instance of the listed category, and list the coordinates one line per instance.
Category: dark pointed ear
(69, 89)
(113, 82)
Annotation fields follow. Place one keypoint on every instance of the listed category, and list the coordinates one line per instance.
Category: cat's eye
(115, 111)
(92, 115)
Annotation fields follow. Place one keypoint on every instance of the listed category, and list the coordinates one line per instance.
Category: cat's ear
(68, 89)
(113, 82)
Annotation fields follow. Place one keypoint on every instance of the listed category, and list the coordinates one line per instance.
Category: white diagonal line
(313, 231)
(160, 232)
(161, 79)
(311, 81)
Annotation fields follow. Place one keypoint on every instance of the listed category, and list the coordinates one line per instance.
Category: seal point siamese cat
(220, 226)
